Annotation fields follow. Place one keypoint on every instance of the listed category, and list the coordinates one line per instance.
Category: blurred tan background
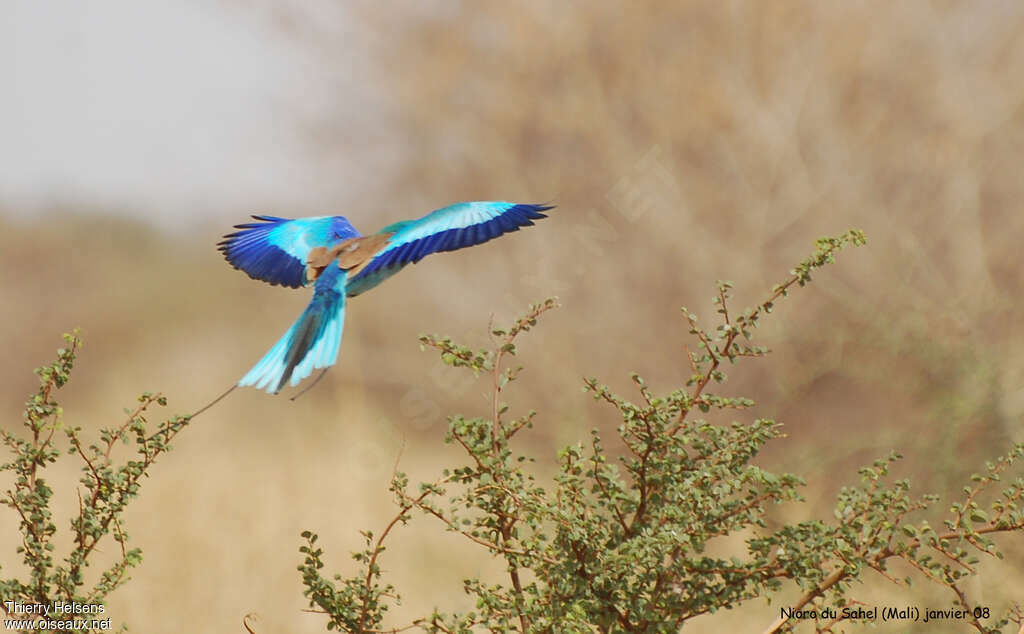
(682, 141)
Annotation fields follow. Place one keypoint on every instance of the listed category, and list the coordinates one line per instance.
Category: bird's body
(339, 262)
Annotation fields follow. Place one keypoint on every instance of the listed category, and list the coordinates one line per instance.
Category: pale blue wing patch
(447, 229)
(276, 250)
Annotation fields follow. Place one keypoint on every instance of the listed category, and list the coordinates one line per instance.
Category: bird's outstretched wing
(277, 250)
(330, 251)
(312, 342)
(447, 229)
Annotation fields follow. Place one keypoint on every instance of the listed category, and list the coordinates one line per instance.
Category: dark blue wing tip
(521, 215)
(246, 228)
(245, 250)
(266, 218)
(534, 210)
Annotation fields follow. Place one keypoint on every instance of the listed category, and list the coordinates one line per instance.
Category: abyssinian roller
(328, 253)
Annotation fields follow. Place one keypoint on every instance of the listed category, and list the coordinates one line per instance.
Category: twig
(310, 386)
(371, 565)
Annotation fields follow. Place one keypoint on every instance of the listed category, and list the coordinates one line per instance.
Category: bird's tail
(312, 342)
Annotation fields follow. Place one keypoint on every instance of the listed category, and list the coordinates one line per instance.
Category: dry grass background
(683, 142)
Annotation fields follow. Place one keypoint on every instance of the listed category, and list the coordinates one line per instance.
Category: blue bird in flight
(328, 253)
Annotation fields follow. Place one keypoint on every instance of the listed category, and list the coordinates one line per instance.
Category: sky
(177, 111)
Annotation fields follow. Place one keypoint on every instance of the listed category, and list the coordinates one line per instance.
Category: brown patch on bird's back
(352, 255)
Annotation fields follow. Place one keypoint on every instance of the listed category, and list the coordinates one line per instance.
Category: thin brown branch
(611, 503)
(809, 596)
(143, 406)
(885, 554)
(716, 353)
(975, 623)
(378, 545)
(499, 548)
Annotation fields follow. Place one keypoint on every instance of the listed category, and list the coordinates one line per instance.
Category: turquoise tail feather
(311, 343)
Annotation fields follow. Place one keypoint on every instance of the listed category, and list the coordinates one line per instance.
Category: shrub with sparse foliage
(107, 487)
(621, 540)
(625, 544)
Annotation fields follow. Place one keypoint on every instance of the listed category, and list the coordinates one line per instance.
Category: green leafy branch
(621, 540)
(872, 530)
(108, 487)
